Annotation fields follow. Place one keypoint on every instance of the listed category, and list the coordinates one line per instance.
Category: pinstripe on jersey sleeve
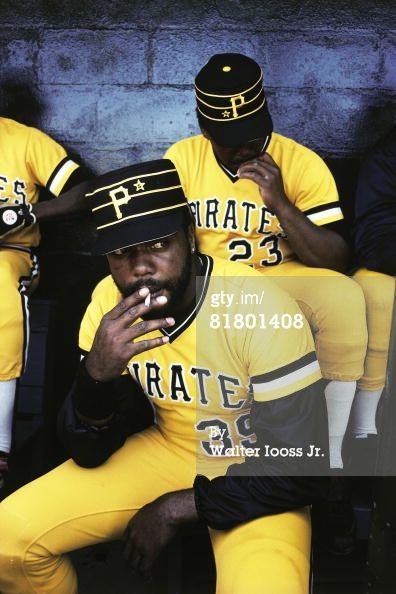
(286, 379)
(325, 213)
(48, 162)
(60, 175)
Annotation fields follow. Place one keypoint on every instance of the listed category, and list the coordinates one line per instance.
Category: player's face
(233, 157)
(164, 266)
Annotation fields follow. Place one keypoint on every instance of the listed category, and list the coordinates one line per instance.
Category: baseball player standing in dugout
(29, 160)
(239, 405)
(264, 200)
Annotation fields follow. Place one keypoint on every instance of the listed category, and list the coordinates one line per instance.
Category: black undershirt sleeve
(272, 484)
(121, 402)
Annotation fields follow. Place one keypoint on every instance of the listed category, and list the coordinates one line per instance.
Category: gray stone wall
(113, 80)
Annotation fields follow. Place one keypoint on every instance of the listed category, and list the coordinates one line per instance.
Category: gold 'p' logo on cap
(119, 196)
(236, 102)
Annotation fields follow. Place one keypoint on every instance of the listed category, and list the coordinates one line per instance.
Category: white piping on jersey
(288, 379)
(233, 175)
(14, 246)
(197, 305)
(324, 214)
(69, 164)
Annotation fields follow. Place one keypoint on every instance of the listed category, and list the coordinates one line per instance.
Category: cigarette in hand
(147, 300)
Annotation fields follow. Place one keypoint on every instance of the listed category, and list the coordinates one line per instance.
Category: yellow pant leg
(335, 309)
(72, 507)
(15, 276)
(379, 291)
(270, 555)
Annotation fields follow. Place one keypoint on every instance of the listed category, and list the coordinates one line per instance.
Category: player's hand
(118, 337)
(153, 527)
(14, 217)
(267, 175)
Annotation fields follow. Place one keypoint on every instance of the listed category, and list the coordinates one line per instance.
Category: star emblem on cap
(226, 114)
(139, 185)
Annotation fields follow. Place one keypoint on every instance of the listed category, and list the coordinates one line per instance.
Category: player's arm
(271, 484)
(227, 501)
(314, 245)
(92, 424)
(71, 201)
(88, 442)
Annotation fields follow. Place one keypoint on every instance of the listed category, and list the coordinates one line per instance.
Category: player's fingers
(258, 166)
(140, 346)
(129, 309)
(127, 303)
(146, 326)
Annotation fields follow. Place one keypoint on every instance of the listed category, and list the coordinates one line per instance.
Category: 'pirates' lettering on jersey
(29, 159)
(207, 374)
(232, 221)
(173, 383)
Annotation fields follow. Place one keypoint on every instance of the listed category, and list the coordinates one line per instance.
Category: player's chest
(197, 376)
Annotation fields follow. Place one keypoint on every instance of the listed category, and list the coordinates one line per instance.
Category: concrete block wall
(113, 81)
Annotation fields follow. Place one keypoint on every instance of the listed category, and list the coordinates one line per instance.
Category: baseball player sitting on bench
(228, 362)
(29, 159)
(264, 200)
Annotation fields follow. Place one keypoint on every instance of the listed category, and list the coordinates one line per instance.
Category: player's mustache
(152, 284)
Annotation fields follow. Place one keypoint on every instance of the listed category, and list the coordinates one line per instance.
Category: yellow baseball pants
(18, 274)
(379, 291)
(72, 507)
(335, 309)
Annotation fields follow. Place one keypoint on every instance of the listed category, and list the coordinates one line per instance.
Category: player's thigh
(15, 274)
(326, 296)
(270, 555)
(71, 507)
(335, 308)
(379, 291)
(15, 266)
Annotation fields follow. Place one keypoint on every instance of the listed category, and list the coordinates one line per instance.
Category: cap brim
(241, 130)
(132, 233)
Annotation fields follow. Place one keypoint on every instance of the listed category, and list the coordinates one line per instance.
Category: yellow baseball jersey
(29, 159)
(244, 338)
(232, 220)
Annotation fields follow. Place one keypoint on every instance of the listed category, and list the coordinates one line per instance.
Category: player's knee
(347, 299)
(20, 555)
(341, 316)
(11, 548)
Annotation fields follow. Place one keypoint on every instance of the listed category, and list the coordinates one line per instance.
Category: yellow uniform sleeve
(47, 162)
(307, 180)
(281, 357)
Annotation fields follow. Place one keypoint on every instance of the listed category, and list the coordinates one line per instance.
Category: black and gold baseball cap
(231, 101)
(137, 204)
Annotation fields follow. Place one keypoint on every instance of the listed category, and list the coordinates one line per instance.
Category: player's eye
(159, 245)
